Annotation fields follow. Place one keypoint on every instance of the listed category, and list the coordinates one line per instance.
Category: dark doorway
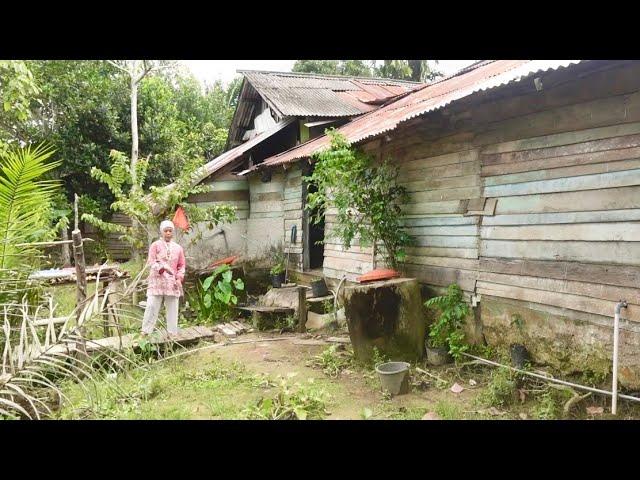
(316, 234)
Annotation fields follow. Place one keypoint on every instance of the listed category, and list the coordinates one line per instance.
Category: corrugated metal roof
(301, 94)
(229, 156)
(483, 76)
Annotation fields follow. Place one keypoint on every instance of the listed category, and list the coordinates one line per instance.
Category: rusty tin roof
(484, 75)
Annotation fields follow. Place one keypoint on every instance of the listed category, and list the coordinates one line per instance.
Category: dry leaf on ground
(595, 410)
(457, 388)
(431, 416)
(495, 412)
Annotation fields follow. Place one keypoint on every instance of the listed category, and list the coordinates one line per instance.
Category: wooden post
(373, 255)
(302, 309)
(81, 275)
(75, 211)
(81, 288)
(106, 320)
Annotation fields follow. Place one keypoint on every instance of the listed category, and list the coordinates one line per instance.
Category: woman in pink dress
(167, 264)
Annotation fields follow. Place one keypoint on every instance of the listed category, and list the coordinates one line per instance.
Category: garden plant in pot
(519, 354)
(277, 275)
(446, 338)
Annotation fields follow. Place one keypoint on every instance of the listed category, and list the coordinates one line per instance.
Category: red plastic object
(180, 219)
(378, 274)
(224, 261)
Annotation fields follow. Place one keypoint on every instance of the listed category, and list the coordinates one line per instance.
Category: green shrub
(446, 331)
(212, 302)
(292, 402)
(501, 390)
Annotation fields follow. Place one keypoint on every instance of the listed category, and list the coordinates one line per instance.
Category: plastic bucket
(394, 377)
(319, 288)
(438, 356)
(277, 280)
(519, 355)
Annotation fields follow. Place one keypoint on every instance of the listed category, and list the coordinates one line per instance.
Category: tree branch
(120, 67)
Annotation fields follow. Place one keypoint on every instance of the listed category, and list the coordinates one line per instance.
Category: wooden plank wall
(563, 166)
(566, 229)
(116, 249)
(567, 184)
(441, 176)
(293, 216)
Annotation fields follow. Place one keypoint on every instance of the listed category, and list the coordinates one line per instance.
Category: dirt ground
(230, 381)
(358, 389)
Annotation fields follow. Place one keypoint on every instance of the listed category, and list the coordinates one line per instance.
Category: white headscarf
(166, 224)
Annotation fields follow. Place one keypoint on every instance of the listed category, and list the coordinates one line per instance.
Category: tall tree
(416, 70)
(17, 90)
(356, 68)
(137, 70)
(322, 67)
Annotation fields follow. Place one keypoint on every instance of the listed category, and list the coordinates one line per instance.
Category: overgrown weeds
(501, 389)
(292, 402)
(332, 361)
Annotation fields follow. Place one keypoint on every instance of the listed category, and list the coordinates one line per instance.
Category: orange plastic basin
(224, 261)
(377, 275)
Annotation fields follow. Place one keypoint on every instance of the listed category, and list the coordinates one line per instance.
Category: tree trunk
(134, 128)
(134, 149)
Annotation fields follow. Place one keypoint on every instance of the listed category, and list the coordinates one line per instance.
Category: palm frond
(33, 368)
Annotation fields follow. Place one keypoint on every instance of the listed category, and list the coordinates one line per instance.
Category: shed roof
(481, 76)
(229, 156)
(304, 94)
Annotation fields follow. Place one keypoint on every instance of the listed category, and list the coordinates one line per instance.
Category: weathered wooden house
(524, 179)
(277, 111)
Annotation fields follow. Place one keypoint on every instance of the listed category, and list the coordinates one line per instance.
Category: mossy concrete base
(387, 315)
(561, 339)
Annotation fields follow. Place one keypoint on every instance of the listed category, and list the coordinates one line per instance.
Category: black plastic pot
(519, 355)
(438, 356)
(277, 280)
(319, 288)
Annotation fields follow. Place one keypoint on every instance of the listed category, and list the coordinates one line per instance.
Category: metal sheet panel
(485, 76)
(300, 94)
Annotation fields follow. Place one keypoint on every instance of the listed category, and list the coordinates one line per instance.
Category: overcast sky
(211, 70)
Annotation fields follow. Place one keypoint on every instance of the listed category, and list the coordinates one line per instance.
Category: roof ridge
(341, 77)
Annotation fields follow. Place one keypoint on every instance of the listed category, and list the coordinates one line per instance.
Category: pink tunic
(163, 255)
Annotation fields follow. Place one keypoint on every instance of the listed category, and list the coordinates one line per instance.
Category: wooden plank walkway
(185, 336)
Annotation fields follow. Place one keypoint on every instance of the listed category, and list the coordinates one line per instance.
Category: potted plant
(446, 338)
(519, 354)
(277, 275)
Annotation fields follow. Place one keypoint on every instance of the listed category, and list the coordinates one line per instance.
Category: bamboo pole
(81, 274)
(52, 243)
(81, 284)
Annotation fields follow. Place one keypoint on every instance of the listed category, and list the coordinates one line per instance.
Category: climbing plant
(366, 196)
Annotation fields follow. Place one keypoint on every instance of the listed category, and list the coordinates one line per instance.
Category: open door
(313, 252)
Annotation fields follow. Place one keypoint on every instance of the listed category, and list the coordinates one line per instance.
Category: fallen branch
(418, 369)
(573, 401)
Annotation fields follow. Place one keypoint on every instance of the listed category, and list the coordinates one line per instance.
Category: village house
(277, 111)
(524, 178)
